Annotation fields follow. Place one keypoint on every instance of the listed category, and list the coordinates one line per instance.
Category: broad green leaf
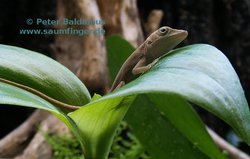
(200, 74)
(11, 95)
(118, 51)
(43, 74)
(156, 132)
(98, 121)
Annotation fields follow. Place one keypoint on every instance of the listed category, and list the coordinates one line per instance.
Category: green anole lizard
(142, 59)
(148, 53)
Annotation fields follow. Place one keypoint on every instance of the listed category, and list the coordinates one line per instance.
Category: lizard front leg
(142, 67)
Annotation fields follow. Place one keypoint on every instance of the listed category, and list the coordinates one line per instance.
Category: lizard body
(147, 54)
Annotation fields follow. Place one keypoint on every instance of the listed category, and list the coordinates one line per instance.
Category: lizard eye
(163, 30)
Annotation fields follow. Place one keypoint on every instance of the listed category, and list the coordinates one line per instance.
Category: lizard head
(163, 40)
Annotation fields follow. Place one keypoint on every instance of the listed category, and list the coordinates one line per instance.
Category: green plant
(125, 145)
(156, 105)
(64, 146)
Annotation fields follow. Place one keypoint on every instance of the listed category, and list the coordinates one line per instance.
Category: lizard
(148, 53)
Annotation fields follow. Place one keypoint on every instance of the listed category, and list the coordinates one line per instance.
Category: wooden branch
(154, 21)
(122, 18)
(38, 148)
(233, 152)
(17, 140)
(85, 55)
(94, 63)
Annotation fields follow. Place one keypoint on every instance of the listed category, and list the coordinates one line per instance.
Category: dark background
(222, 23)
